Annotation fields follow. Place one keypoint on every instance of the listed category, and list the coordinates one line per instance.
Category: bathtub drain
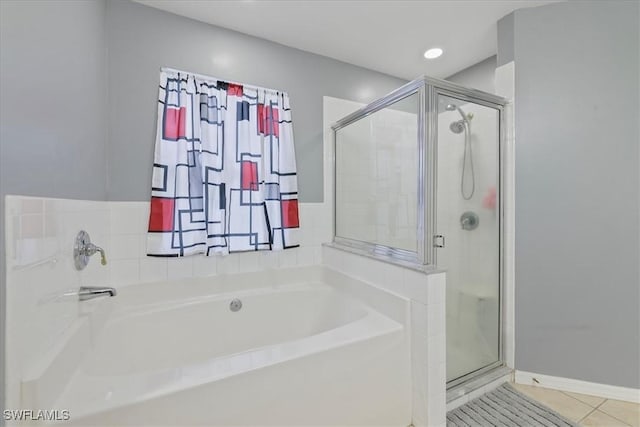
(235, 305)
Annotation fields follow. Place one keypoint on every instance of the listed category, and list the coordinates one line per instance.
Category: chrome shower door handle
(438, 241)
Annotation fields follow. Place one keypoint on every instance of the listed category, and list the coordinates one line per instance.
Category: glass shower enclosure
(418, 179)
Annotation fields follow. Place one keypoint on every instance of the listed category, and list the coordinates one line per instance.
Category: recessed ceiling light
(433, 53)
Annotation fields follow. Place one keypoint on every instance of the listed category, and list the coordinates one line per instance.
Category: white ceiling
(387, 36)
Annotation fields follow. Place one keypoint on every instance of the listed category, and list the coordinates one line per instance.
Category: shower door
(467, 230)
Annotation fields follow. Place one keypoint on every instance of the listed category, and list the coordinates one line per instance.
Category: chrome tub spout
(90, 292)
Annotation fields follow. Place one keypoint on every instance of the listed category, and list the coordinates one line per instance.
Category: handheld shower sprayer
(459, 126)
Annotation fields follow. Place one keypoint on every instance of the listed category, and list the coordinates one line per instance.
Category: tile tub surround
(41, 278)
(426, 293)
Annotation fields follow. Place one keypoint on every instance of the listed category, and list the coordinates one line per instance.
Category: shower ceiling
(387, 36)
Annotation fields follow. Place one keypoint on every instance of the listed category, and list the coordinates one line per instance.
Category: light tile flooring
(584, 409)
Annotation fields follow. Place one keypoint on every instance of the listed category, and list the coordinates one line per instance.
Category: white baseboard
(578, 386)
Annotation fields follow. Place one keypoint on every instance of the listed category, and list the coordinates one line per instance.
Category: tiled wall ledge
(426, 269)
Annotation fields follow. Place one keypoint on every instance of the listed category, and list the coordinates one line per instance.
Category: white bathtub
(309, 351)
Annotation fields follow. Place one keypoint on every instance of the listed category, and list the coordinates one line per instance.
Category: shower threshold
(470, 389)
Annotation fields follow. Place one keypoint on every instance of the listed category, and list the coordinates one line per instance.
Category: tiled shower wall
(41, 278)
(377, 186)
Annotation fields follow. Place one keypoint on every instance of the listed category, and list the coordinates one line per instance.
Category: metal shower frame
(428, 89)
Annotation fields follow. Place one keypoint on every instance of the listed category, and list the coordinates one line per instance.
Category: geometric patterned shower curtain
(224, 171)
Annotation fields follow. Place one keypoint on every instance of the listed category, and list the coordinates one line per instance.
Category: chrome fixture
(91, 292)
(235, 305)
(428, 91)
(83, 249)
(457, 126)
(430, 207)
(460, 126)
(465, 117)
(469, 221)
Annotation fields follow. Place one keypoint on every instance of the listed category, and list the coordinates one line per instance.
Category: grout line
(612, 416)
(602, 403)
(595, 407)
(589, 413)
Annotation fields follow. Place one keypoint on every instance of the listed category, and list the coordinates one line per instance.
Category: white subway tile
(269, 260)
(437, 289)
(228, 264)
(437, 380)
(153, 269)
(419, 384)
(436, 319)
(124, 272)
(96, 274)
(307, 236)
(179, 267)
(125, 218)
(323, 229)
(436, 349)
(437, 409)
(249, 262)
(204, 266)
(307, 255)
(317, 255)
(332, 258)
(30, 205)
(31, 226)
(289, 258)
(419, 319)
(416, 285)
(125, 246)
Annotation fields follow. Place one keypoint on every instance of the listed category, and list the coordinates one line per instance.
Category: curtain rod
(203, 76)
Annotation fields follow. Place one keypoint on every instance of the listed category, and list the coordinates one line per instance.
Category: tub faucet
(91, 292)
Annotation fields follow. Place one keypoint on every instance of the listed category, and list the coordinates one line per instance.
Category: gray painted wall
(478, 76)
(505, 40)
(53, 105)
(142, 39)
(577, 191)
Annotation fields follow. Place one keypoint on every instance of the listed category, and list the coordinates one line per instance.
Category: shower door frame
(497, 103)
(428, 89)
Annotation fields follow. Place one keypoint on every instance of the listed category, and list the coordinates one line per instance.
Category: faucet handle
(103, 257)
(83, 249)
(92, 249)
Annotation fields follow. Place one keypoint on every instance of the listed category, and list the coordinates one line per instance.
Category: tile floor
(584, 409)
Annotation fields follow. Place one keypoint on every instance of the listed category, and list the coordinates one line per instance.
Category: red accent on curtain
(234, 90)
(161, 214)
(174, 122)
(249, 175)
(268, 120)
(290, 214)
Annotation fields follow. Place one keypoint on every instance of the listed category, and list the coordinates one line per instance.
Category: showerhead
(457, 126)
